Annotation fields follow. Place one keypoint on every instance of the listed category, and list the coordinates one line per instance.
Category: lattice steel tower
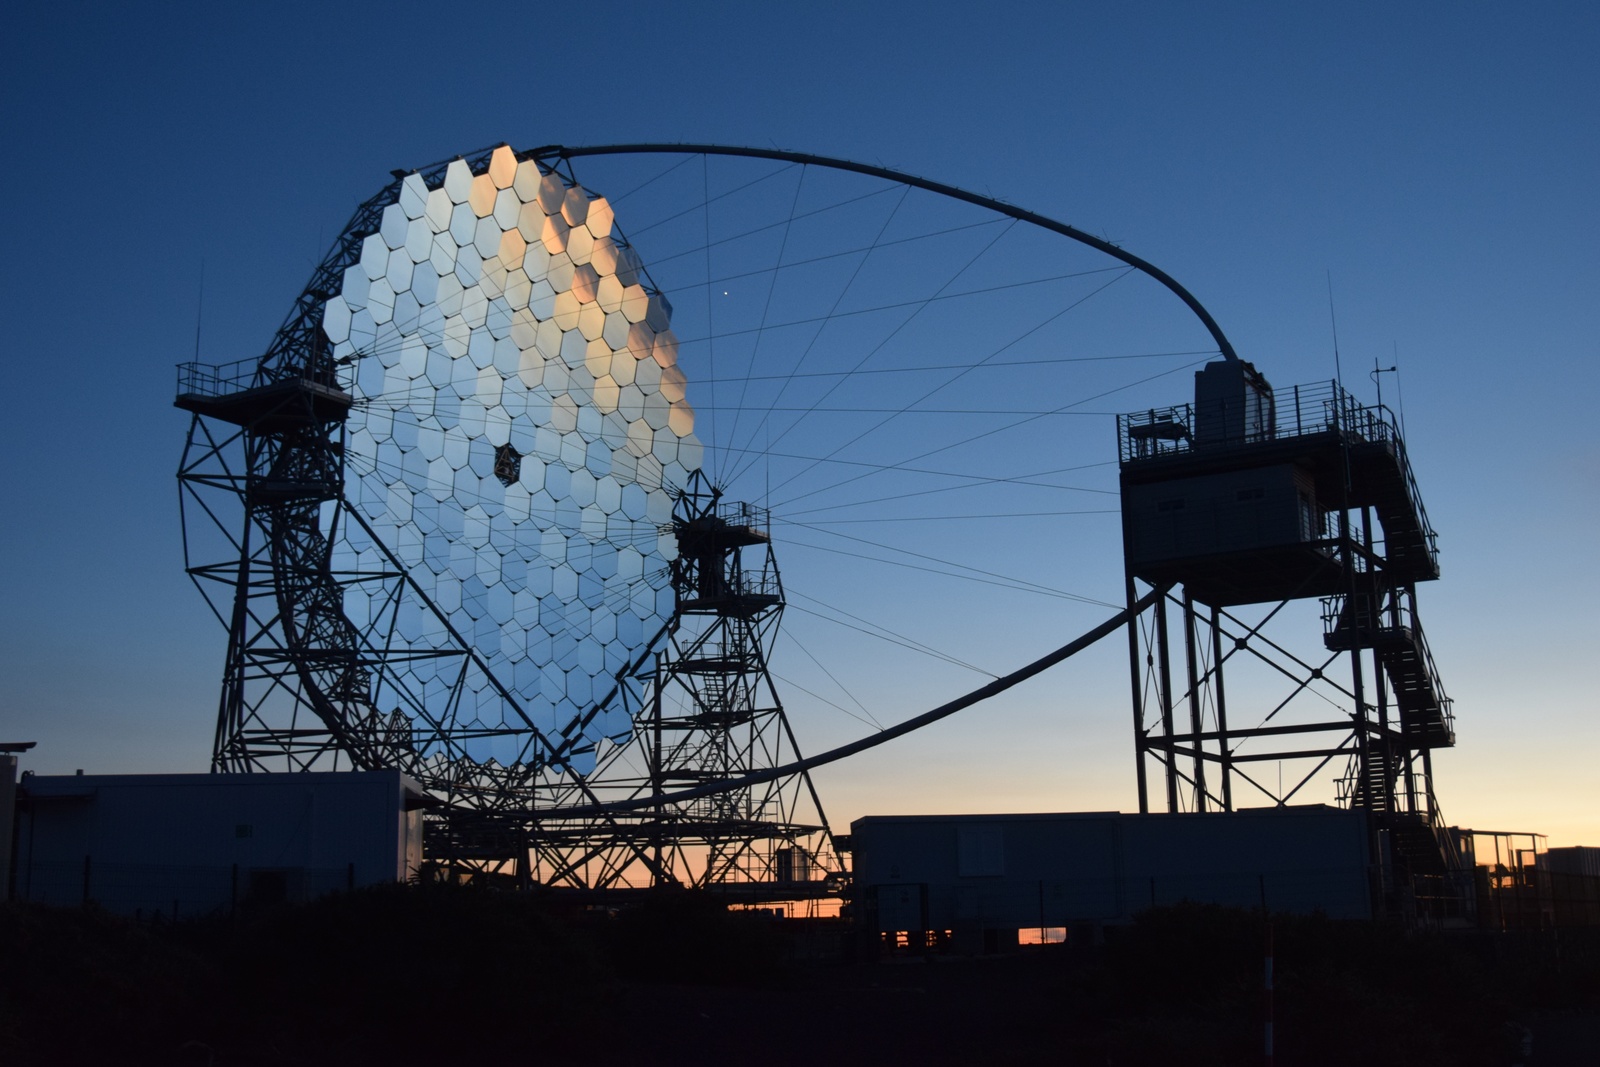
(440, 517)
(713, 714)
(1242, 506)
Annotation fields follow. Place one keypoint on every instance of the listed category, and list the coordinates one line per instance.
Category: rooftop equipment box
(192, 844)
(1212, 514)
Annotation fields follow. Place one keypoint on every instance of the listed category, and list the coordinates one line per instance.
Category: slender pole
(1363, 735)
(1427, 774)
(1267, 1006)
(1224, 751)
(656, 772)
(1136, 675)
(1196, 725)
(1164, 667)
(8, 820)
(1385, 802)
(227, 748)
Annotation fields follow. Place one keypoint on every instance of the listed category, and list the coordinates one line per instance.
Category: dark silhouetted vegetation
(436, 974)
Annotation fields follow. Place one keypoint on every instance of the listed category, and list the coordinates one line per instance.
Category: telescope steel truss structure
(263, 489)
(663, 755)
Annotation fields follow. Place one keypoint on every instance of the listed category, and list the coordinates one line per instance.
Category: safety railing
(746, 515)
(1414, 496)
(1155, 433)
(1391, 613)
(225, 379)
(216, 379)
(1297, 411)
(1447, 713)
(757, 583)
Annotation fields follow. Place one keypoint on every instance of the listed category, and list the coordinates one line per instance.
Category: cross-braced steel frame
(712, 713)
(1233, 708)
(1192, 758)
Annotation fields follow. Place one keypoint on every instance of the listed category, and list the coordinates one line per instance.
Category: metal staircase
(1393, 631)
(1381, 477)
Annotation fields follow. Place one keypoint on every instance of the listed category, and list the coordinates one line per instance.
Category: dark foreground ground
(458, 976)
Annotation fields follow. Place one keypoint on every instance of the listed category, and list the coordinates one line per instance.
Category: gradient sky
(1438, 162)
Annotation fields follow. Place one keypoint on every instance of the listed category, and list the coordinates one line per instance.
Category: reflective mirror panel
(510, 444)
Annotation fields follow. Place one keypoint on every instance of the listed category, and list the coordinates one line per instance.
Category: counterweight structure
(1247, 507)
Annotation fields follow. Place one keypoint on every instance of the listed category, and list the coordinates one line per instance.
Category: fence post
(1267, 998)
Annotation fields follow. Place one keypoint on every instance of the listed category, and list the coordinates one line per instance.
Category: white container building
(192, 844)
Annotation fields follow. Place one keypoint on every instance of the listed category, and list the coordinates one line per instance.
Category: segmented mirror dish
(518, 428)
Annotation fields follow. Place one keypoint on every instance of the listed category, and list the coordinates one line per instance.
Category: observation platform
(1239, 498)
(710, 544)
(230, 392)
(743, 600)
(727, 527)
(711, 720)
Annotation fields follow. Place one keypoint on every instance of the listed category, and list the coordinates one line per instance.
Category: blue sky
(1437, 162)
